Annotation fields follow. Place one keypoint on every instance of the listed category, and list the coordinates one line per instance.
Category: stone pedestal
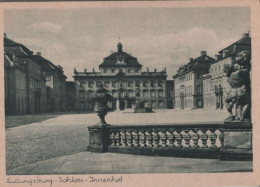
(237, 141)
(98, 138)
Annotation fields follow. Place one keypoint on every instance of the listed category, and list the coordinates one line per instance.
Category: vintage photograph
(127, 90)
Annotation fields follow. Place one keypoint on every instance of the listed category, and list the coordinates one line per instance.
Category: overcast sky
(158, 37)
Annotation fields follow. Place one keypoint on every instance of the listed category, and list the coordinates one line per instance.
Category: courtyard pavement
(44, 139)
(113, 163)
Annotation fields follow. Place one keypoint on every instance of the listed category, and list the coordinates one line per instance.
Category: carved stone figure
(101, 97)
(238, 101)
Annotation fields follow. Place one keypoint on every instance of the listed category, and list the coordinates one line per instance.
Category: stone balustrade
(203, 140)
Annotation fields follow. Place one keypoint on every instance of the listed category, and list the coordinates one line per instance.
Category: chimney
(218, 56)
(75, 71)
(39, 53)
(85, 70)
(203, 53)
(225, 52)
(147, 69)
(155, 69)
(245, 35)
(191, 59)
(93, 70)
(5, 35)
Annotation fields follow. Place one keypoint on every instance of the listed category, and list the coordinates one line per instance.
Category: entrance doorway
(121, 104)
(170, 104)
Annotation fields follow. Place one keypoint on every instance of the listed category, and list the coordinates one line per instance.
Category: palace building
(122, 75)
(188, 82)
(215, 85)
(24, 81)
(33, 84)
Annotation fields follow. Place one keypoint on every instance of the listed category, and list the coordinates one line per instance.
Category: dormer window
(136, 70)
(105, 70)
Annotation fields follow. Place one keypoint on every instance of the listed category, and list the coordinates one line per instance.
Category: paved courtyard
(113, 163)
(54, 136)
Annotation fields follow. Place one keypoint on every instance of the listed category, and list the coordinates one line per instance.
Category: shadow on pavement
(15, 121)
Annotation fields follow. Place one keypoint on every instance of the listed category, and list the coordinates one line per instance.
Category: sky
(158, 37)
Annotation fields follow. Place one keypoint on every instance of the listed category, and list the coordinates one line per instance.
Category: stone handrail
(204, 140)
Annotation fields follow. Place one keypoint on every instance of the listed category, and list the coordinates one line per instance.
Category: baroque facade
(32, 83)
(122, 75)
(188, 82)
(24, 81)
(215, 85)
(55, 84)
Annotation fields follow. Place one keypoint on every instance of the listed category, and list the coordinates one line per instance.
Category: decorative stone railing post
(237, 134)
(99, 136)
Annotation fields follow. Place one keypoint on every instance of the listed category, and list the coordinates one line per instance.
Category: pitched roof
(43, 62)
(235, 48)
(10, 44)
(244, 41)
(201, 62)
(129, 60)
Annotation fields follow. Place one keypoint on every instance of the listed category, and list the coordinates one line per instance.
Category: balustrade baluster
(203, 138)
(148, 138)
(195, 138)
(155, 139)
(117, 139)
(220, 137)
(142, 138)
(162, 138)
(178, 139)
(186, 138)
(112, 139)
(135, 138)
(170, 139)
(212, 138)
(123, 138)
(129, 138)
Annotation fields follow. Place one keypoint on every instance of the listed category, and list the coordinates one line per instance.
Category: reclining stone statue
(238, 101)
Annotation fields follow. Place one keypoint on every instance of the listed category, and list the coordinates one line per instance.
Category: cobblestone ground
(42, 137)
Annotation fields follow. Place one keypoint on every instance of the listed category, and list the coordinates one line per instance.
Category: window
(106, 84)
(114, 94)
(90, 84)
(136, 70)
(153, 104)
(145, 84)
(145, 93)
(98, 83)
(48, 78)
(113, 70)
(114, 84)
(152, 93)
(129, 70)
(130, 84)
(81, 84)
(105, 70)
(160, 83)
(160, 93)
(199, 90)
(152, 84)
(137, 84)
